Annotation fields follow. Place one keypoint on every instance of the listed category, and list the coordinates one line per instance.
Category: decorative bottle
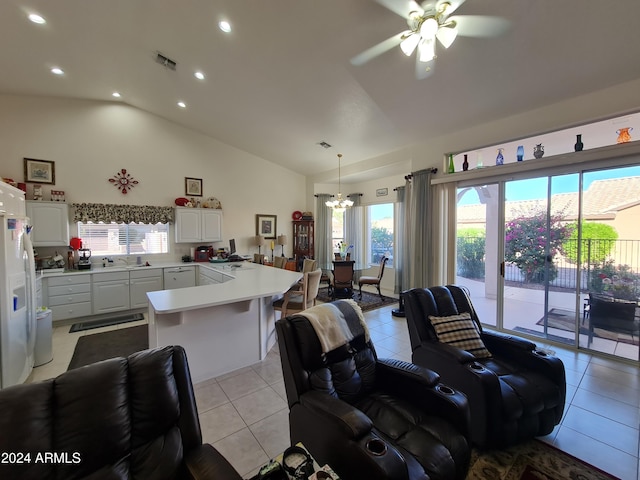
(479, 164)
(520, 153)
(579, 145)
(500, 157)
(452, 167)
(465, 164)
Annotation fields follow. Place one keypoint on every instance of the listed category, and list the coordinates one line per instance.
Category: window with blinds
(124, 239)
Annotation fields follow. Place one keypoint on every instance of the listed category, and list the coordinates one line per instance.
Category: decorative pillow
(461, 332)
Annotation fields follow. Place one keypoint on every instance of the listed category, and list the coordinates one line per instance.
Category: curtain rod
(318, 194)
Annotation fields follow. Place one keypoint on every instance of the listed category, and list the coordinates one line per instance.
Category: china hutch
(302, 240)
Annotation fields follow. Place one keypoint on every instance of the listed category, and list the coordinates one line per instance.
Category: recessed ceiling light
(224, 26)
(57, 71)
(182, 105)
(199, 75)
(116, 94)
(35, 18)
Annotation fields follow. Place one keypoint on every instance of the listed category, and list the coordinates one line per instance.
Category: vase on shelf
(479, 164)
(500, 157)
(465, 164)
(579, 145)
(538, 150)
(520, 153)
(624, 135)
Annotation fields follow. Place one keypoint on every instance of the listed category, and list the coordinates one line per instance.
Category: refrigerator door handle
(31, 297)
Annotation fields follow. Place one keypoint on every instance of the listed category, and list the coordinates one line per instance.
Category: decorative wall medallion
(123, 181)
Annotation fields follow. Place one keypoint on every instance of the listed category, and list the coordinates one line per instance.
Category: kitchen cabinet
(302, 241)
(68, 296)
(194, 225)
(179, 277)
(141, 281)
(210, 276)
(50, 221)
(110, 292)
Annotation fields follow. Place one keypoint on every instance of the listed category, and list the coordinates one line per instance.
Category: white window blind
(124, 239)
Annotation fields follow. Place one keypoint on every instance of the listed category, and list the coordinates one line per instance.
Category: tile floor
(244, 413)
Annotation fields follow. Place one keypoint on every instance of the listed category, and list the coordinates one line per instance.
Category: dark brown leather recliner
(122, 418)
(515, 394)
(368, 417)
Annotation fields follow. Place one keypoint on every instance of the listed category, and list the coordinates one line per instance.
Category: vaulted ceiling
(281, 81)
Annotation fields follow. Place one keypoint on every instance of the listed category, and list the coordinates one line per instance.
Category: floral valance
(107, 213)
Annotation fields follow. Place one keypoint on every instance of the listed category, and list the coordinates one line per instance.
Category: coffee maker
(84, 262)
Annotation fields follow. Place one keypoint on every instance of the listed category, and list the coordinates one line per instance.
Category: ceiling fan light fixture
(429, 28)
(409, 44)
(447, 34)
(427, 50)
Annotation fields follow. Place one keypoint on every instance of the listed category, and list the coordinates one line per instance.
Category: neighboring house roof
(603, 199)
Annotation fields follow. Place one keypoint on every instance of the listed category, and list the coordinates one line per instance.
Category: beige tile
(269, 371)
(220, 422)
(243, 451)
(602, 429)
(233, 374)
(616, 375)
(599, 454)
(280, 389)
(209, 395)
(608, 388)
(607, 407)
(394, 344)
(242, 384)
(259, 405)
(272, 432)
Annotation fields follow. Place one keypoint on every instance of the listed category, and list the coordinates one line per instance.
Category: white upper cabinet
(195, 225)
(50, 221)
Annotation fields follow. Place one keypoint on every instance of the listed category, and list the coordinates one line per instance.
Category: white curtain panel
(323, 247)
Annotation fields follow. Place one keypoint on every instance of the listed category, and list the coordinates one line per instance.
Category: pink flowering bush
(527, 241)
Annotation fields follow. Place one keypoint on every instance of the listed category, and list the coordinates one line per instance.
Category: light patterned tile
(272, 432)
(243, 451)
(242, 384)
(259, 405)
(209, 395)
(220, 422)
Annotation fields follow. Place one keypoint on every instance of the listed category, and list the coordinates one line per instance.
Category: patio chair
(613, 315)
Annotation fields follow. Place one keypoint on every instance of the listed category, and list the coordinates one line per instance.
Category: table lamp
(259, 239)
(282, 240)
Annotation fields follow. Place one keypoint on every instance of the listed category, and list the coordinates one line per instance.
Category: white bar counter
(223, 326)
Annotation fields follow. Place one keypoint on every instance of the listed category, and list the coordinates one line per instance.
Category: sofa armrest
(205, 462)
(503, 344)
(351, 421)
(421, 387)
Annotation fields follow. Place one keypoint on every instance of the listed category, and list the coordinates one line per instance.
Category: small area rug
(370, 301)
(565, 320)
(533, 460)
(116, 343)
(107, 322)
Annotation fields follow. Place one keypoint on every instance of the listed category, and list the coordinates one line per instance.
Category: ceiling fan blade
(378, 49)
(424, 69)
(480, 25)
(400, 7)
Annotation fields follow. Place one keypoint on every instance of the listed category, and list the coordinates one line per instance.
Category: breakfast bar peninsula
(222, 326)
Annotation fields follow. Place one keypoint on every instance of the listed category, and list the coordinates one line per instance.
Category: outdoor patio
(524, 309)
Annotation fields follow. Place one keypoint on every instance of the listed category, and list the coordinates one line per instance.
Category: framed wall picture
(39, 171)
(382, 192)
(266, 226)
(193, 187)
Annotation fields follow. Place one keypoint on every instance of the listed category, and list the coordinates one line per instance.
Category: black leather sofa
(370, 418)
(122, 418)
(515, 393)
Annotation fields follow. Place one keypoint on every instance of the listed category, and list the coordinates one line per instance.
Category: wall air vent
(167, 62)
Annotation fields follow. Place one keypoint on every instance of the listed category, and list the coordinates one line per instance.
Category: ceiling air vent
(324, 144)
(167, 62)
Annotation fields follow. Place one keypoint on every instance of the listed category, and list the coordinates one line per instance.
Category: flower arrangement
(343, 248)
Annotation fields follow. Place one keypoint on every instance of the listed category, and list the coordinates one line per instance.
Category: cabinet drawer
(69, 289)
(144, 272)
(67, 299)
(73, 310)
(110, 276)
(69, 279)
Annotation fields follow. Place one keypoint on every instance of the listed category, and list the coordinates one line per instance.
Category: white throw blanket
(332, 327)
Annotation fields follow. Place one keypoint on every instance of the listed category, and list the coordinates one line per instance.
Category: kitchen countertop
(250, 281)
(118, 268)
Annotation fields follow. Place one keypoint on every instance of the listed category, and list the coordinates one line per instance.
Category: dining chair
(258, 258)
(309, 265)
(370, 280)
(342, 281)
(279, 262)
(297, 300)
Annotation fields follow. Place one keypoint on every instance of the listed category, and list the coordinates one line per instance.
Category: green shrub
(471, 248)
(598, 240)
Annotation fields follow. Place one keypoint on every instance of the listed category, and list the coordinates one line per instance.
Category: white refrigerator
(17, 289)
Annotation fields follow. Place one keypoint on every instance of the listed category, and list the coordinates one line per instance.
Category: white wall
(91, 141)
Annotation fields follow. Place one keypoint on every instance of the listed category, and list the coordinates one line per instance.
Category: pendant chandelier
(339, 204)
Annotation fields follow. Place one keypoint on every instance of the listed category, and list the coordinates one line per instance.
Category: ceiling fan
(428, 22)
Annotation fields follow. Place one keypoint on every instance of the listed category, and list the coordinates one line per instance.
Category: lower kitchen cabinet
(68, 296)
(143, 281)
(110, 292)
